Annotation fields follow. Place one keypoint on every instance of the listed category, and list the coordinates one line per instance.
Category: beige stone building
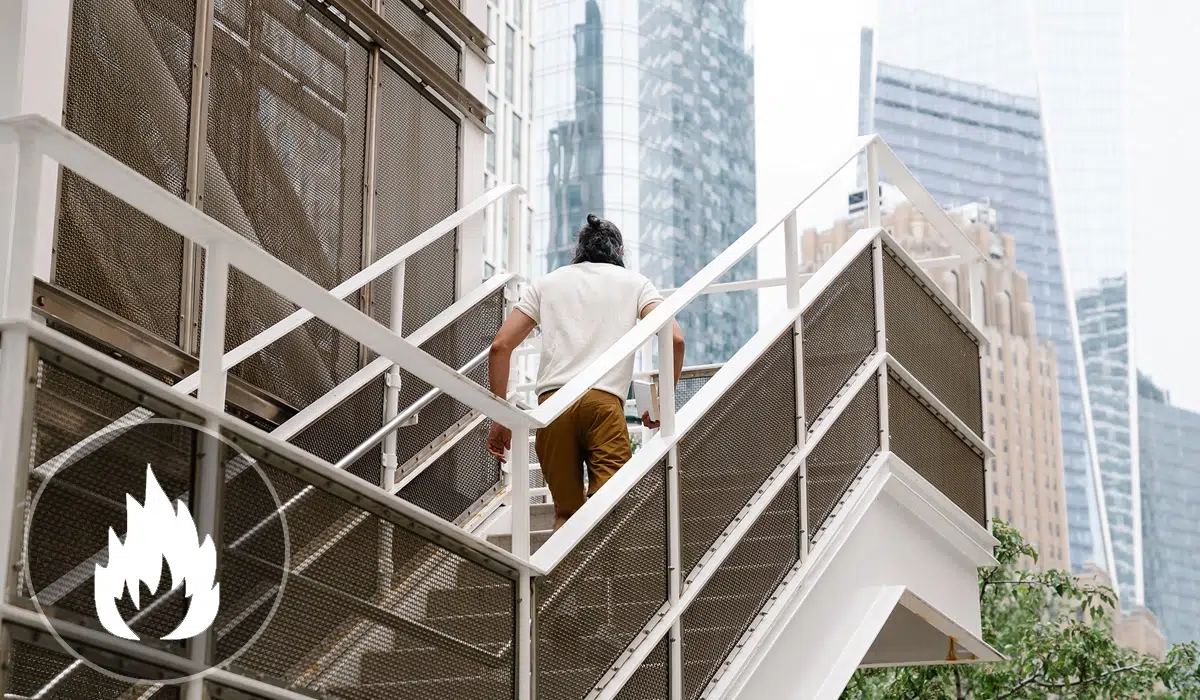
(1025, 481)
(1136, 629)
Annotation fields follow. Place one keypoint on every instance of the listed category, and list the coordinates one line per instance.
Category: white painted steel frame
(708, 567)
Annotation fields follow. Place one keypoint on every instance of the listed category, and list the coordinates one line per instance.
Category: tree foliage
(1056, 633)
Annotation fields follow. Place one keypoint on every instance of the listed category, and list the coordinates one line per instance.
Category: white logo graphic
(156, 531)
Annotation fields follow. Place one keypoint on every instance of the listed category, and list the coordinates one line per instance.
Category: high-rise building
(1027, 485)
(1170, 441)
(508, 149)
(645, 116)
(967, 142)
(1103, 313)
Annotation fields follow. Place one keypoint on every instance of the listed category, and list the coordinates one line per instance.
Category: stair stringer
(900, 551)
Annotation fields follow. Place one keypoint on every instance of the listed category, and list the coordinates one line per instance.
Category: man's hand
(651, 424)
(499, 440)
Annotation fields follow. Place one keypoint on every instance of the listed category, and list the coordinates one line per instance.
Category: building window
(517, 130)
(510, 61)
(1009, 316)
(489, 146)
(983, 301)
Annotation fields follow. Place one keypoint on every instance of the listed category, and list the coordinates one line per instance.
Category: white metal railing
(37, 137)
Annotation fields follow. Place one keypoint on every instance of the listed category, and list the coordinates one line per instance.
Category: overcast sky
(806, 91)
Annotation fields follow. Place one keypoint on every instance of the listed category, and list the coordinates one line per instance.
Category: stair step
(537, 538)
(447, 602)
(458, 687)
(477, 629)
(541, 517)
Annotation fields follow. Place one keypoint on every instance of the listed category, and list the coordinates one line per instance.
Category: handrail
(642, 332)
(93, 164)
(426, 399)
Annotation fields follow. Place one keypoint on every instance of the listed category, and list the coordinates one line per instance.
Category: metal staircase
(665, 585)
(259, 288)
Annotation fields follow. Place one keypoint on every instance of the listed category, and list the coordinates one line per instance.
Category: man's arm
(515, 329)
(512, 333)
(677, 331)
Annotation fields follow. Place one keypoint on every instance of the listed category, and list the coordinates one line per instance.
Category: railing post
(791, 247)
(516, 246)
(666, 419)
(17, 245)
(874, 217)
(519, 492)
(881, 343)
(391, 396)
(208, 478)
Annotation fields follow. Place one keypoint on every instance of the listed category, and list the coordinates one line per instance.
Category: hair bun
(593, 221)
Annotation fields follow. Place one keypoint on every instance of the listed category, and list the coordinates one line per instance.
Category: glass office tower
(1070, 57)
(645, 115)
(1170, 439)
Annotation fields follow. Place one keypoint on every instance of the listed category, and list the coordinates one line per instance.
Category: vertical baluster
(666, 419)
(791, 246)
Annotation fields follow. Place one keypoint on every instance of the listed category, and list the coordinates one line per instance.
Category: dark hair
(599, 242)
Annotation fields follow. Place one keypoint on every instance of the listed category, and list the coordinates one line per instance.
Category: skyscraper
(645, 114)
(1103, 313)
(967, 142)
(1170, 489)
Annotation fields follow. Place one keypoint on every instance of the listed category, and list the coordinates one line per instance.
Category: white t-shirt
(583, 309)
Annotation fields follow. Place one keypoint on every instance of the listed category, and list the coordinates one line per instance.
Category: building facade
(645, 117)
(508, 150)
(1027, 484)
(1170, 439)
(966, 143)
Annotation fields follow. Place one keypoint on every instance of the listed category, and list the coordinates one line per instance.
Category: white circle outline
(114, 430)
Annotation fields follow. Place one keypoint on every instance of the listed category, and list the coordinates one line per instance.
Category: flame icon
(156, 531)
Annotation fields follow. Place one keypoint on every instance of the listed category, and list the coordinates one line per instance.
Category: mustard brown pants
(591, 433)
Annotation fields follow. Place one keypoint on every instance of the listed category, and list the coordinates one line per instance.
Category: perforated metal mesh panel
(839, 333)
(72, 516)
(33, 666)
(603, 593)
(689, 384)
(286, 135)
(458, 479)
(652, 680)
(128, 91)
(426, 622)
(347, 426)
(421, 32)
(734, 447)
(931, 447)
(840, 456)
(416, 186)
(731, 600)
(927, 340)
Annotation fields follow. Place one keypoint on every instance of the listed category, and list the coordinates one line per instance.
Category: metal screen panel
(347, 426)
(931, 344)
(734, 447)
(416, 186)
(936, 451)
(840, 456)
(839, 333)
(424, 622)
(128, 88)
(603, 593)
(85, 496)
(652, 680)
(731, 600)
(33, 666)
(689, 384)
(421, 32)
(286, 138)
(458, 479)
